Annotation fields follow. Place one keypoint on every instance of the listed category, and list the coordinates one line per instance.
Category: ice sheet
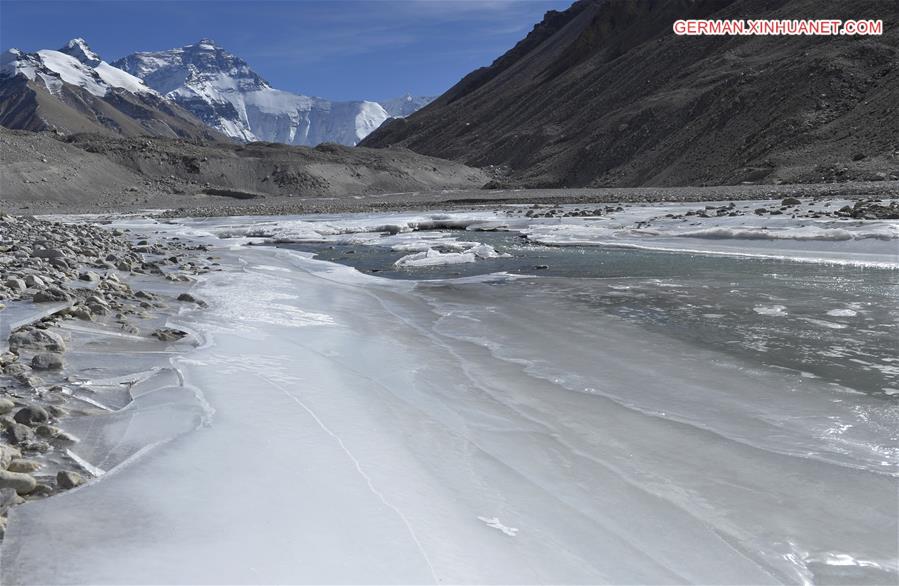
(472, 431)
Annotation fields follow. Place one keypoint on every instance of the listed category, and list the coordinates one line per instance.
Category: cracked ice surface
(373, 431)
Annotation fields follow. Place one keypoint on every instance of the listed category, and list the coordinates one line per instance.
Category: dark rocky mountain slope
(605, 94)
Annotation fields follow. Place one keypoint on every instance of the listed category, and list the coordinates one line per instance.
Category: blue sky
(338, 49)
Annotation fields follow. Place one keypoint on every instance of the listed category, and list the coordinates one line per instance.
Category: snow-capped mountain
(224, 92)
(74, 90)
(74, 64)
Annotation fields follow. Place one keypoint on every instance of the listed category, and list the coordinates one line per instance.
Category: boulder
(46, 361)
(23, 466)
(16, 284)
(19, 434)
(35, 281)
(18, 481)
(36, 340)
(6, 406)
(82, 313)
(89, 276)
(47, 431)
(51, 294)
(31, 415)
(7, 455)
(67, 479)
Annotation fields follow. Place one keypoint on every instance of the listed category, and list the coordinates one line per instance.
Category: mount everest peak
(224, 92)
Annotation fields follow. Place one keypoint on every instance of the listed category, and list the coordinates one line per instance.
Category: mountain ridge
(604, 94)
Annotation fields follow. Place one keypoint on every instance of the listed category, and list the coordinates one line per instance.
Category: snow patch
(773, 310)
(495, 523)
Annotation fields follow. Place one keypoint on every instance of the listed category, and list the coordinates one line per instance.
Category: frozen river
(637, 413)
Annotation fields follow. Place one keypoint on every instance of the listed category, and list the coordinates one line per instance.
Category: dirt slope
(91, 169)
(604, 94)
(39, 169)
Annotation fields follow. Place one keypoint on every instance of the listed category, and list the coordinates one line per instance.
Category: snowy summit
(75, 64)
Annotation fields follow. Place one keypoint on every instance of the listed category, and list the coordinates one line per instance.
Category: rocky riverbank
(63, 287)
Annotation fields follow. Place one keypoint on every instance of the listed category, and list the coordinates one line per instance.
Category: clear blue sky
(338, 49)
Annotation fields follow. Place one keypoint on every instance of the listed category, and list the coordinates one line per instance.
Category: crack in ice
(358, 466)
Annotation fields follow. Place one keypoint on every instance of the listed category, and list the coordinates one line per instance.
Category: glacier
(338, 427)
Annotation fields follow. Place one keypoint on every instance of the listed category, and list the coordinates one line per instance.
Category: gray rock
(35, 281)
(46, 361)
(7, 455)
(8, 498)
(36, 340)
(6, 406)
(56, 412)
(48, 253)
(187, 297)
(49, 294)
(16, 369)
(65, 437)
(47, 431)
(42, 489)
(23, 466)
(31, 415)
(82, 313)
(18, 481)
(67, 479)
(19, 434)
(97, 300)
(89, 276)
(169, 334)
(16, 284)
